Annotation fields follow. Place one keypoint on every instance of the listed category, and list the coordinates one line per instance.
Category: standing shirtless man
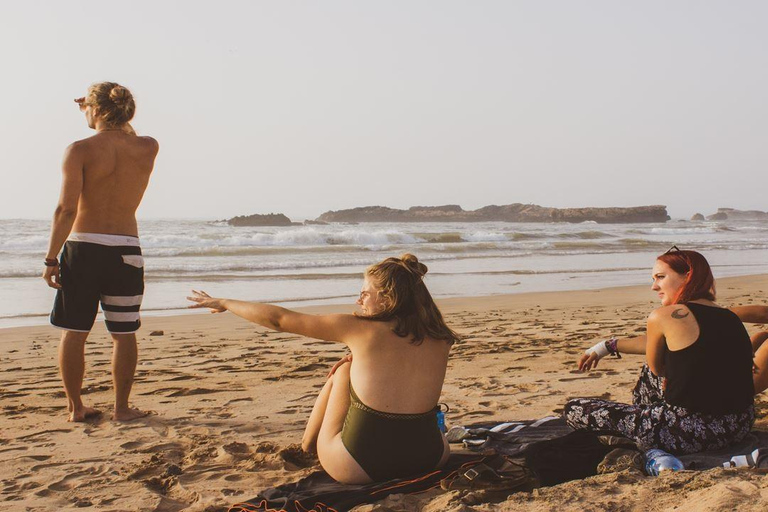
(104, 179)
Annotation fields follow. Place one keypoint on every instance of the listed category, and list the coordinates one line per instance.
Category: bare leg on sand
(760, 348)
(124, 357)
(309, 441)
(72, 364)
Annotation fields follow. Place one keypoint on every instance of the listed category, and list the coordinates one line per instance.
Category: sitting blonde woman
(376, 417)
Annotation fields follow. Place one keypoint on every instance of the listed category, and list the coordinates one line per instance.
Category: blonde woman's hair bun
(413, 264)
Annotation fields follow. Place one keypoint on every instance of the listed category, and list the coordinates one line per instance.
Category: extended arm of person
(340, 328)
(751, 314)
(65, 213)
(633, 345)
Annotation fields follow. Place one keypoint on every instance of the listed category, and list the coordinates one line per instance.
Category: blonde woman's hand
(346, 359)
(203, 300)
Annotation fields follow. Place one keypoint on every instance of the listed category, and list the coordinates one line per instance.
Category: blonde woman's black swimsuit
(389, 445)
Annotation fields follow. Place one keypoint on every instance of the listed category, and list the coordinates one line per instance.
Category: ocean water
(307, 265)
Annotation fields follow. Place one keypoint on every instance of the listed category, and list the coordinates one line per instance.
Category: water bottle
(441, 421)
(657, 461)
(441, 418)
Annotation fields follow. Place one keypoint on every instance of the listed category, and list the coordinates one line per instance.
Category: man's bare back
(116, 170)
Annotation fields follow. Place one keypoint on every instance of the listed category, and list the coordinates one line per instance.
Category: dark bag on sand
(539, 464)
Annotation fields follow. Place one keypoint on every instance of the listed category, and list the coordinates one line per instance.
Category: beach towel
(319, 492)
(543, 445)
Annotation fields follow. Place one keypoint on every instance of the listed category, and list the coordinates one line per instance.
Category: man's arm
(66, 210)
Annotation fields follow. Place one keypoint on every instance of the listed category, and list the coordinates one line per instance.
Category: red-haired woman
(696, 391)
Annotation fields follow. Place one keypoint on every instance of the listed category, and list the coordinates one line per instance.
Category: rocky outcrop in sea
(506, 213)
(734, 214)
(270, 219)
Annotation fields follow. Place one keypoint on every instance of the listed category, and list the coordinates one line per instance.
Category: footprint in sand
(590, 375)
(180, 377)
(293, 409)
(244, 399)
(310, 367)
(36, 458)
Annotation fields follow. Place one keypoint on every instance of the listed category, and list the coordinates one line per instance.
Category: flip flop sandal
(509, 476)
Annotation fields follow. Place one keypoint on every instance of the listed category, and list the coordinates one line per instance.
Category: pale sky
(302, 107)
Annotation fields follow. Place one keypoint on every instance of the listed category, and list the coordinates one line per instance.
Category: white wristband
(600, 349)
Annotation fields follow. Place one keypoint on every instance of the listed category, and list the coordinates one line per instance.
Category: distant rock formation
(271, 219)
(698, 217)
(733, 214)
(717, 216)
(507, 213)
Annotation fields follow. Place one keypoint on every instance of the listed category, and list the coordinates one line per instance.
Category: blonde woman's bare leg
(334, 457)
(309, 441)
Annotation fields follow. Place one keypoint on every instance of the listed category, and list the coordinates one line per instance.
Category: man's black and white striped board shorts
(100, 268)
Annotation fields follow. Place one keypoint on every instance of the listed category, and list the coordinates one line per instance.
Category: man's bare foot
(83, 414)
(129, 414)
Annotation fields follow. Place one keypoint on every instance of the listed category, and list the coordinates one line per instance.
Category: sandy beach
(230, 402)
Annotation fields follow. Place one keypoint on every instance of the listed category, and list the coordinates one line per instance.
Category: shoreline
(453, 301)
(230, 402)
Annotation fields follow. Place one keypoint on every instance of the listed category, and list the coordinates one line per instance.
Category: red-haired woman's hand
(588, 362)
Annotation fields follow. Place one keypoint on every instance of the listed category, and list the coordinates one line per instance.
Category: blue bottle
(441, 417)
(441, 421)
(657, 461)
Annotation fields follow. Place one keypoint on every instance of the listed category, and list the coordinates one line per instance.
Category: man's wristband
(51, 262)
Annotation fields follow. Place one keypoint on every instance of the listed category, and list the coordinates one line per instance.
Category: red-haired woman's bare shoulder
(670, 312)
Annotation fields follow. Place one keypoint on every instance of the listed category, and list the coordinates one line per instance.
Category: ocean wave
(548, 272)
(302, 237)
(24, 243)
(527, 236)
(586, 235)
(486, 236)
(310, 276)
(440, 238)
(238, 250)
(688, 230)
